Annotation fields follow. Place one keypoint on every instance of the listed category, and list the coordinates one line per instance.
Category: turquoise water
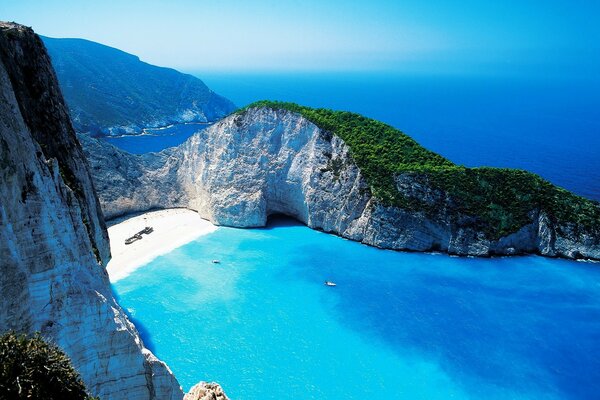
(397, 326)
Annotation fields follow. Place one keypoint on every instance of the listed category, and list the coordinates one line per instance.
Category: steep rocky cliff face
(53, 241)
(128, 183)
(265, 161)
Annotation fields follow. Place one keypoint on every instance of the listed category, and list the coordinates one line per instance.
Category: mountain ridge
(501, 197)
(112, 92)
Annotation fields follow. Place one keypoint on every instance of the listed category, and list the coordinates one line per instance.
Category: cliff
(383, 189)
(127, 183)
(53, 241)
(111, 92)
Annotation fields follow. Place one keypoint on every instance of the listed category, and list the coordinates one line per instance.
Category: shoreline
(173, 228)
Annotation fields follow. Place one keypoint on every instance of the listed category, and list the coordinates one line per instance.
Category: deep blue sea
(156, 139)
(397, 326)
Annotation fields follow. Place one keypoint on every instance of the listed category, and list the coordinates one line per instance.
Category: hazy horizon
(515, 38)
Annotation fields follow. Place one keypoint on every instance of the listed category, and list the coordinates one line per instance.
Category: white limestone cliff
(264, 161)
(53, 241)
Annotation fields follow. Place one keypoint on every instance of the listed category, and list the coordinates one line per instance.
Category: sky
(435, 36)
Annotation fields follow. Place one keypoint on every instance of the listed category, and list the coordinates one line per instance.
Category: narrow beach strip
(172, 228)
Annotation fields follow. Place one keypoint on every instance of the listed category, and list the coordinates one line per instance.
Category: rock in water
(206, 391)
(53, 241)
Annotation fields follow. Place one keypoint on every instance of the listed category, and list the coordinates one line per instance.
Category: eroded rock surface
(206, 391)
(53, 241)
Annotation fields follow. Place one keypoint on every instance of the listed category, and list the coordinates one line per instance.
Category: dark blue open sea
(156, 139)
(398, 325)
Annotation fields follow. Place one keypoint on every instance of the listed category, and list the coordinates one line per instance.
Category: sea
(153, 140)
(397, 325)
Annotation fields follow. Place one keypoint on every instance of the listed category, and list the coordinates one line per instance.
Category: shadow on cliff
(144, 333)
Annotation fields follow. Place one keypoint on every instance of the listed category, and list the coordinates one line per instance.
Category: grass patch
(30, 368)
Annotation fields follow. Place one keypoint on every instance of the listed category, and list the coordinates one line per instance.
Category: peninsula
(349, 175)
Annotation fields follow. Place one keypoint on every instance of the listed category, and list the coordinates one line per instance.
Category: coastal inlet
(396, 326)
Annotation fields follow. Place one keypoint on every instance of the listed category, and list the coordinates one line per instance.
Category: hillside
(110, 92)
(499, 199)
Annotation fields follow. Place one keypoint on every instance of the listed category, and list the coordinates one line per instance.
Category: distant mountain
(111, 92)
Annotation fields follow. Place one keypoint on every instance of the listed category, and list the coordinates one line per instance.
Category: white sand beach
(172, 228)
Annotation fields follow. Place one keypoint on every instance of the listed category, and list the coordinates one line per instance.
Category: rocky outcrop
(53, 241)
(265, 161)
(206, 391)
(129, 183)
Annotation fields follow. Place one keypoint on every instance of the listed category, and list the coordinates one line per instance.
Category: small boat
(216, 261)
(329, 283)
(147, 230)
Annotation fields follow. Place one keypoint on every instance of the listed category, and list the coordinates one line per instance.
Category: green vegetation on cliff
(499, 200)
(30, 368)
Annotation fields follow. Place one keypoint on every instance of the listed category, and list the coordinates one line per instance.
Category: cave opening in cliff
(280, 219)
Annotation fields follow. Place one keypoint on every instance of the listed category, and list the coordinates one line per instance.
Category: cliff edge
(53, 241)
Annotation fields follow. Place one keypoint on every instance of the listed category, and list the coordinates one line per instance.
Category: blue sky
(556, 37)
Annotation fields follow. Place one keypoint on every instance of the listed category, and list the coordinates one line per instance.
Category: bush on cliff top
(498, 199)
(30, 368)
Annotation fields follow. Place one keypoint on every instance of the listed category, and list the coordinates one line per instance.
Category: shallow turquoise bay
(397, 326)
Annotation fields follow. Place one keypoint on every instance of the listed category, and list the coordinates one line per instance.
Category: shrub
(30, 368)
